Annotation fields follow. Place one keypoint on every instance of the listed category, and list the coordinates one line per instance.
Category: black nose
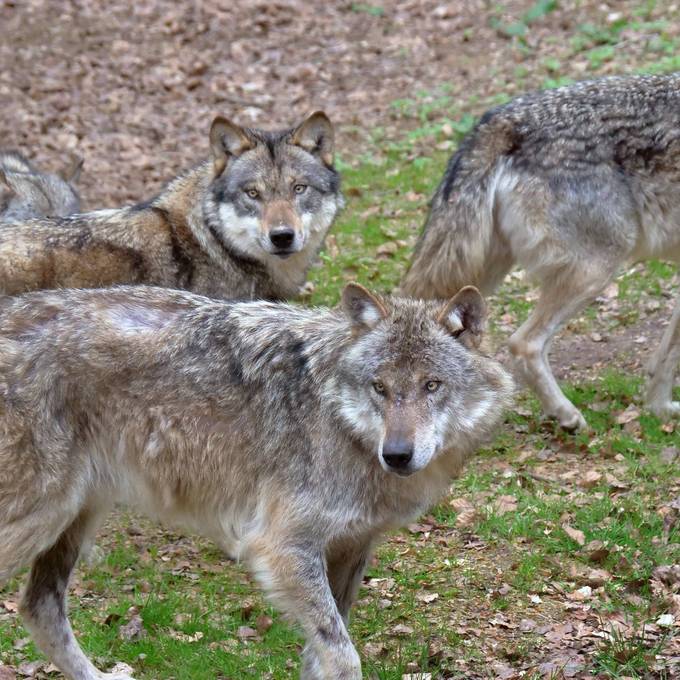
(282, 237)
(397, 455)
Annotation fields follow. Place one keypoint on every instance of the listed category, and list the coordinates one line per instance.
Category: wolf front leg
(345, 567)
(293, 573)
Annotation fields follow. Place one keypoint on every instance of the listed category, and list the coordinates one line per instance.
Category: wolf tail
(456, 247)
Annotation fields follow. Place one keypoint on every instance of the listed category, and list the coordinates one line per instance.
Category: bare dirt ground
(133, 87)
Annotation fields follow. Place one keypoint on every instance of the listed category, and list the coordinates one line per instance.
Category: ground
(552, 556)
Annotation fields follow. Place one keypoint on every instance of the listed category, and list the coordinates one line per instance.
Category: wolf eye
(300, 188)
(253, 193)
(432, 385)
(379, 387)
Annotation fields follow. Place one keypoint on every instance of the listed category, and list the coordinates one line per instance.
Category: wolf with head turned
(246, 224)
(294, 438)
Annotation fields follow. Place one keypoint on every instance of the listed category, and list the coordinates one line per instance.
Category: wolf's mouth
(283, 254)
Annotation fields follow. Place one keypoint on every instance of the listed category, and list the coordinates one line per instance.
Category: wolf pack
(150, 355)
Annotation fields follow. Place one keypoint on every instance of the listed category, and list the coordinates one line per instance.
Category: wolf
(34, 193)
(292, 437)
(570, 184)
(245, 224)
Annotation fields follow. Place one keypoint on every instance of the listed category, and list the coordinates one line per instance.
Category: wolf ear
(316, 136)
(362, 308)
(227, 140)
(464, 315)
(71, 173)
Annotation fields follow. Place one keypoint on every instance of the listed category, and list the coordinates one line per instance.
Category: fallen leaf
(401, 629)
(666, 620)
(466, 518)
(505, 504)
(590, 479)
(427, 598)
(584, 593)
(246, 633)
(575, 534)
(375, 649)
(627, 416)
(7, 673)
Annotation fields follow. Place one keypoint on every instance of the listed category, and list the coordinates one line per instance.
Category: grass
(203, 618)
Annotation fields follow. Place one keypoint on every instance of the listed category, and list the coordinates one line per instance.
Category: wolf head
(413, 383)
(273, 192)
(36, 194)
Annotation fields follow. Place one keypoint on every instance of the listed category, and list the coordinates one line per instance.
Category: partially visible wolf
(569, 184)
(33, 193)
(293, 437)
(246, 224)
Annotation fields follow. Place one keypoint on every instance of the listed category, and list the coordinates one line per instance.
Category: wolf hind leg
(43, 605)
(560, 298)
(663, 367)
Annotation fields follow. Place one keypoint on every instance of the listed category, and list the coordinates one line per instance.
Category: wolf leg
(345, 569)
(559, 299)
(294, 575)
(663, 367)
(43, 605)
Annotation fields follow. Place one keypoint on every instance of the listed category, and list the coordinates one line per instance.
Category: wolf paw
(665, 409)
(570, 421)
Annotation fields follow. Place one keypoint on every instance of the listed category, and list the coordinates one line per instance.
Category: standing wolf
(32, 193)
(293, 437)
(246, 224)
(569, 184)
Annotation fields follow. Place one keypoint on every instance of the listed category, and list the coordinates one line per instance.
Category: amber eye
(379, 387)
(300, 188)
(432, 385)
(253, 193)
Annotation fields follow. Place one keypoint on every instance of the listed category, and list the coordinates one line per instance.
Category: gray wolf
(292, 437)
(34, 193)
(245, 224)
(570, 184)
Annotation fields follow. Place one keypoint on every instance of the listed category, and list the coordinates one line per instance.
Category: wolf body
(570, 184)
(34, 193)
(245, 224)
(293, 437)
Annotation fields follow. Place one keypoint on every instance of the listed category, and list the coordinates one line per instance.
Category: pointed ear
(227, 141)
(316, 136)
(71, 173)
(464, 315)
(363, 309)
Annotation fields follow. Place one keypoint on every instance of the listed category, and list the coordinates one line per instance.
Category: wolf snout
(282, 237)
(397, 454)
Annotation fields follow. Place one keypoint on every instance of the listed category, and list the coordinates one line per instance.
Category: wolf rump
(246, 224)
(34, 193)
(293, 437)
(569, 184)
